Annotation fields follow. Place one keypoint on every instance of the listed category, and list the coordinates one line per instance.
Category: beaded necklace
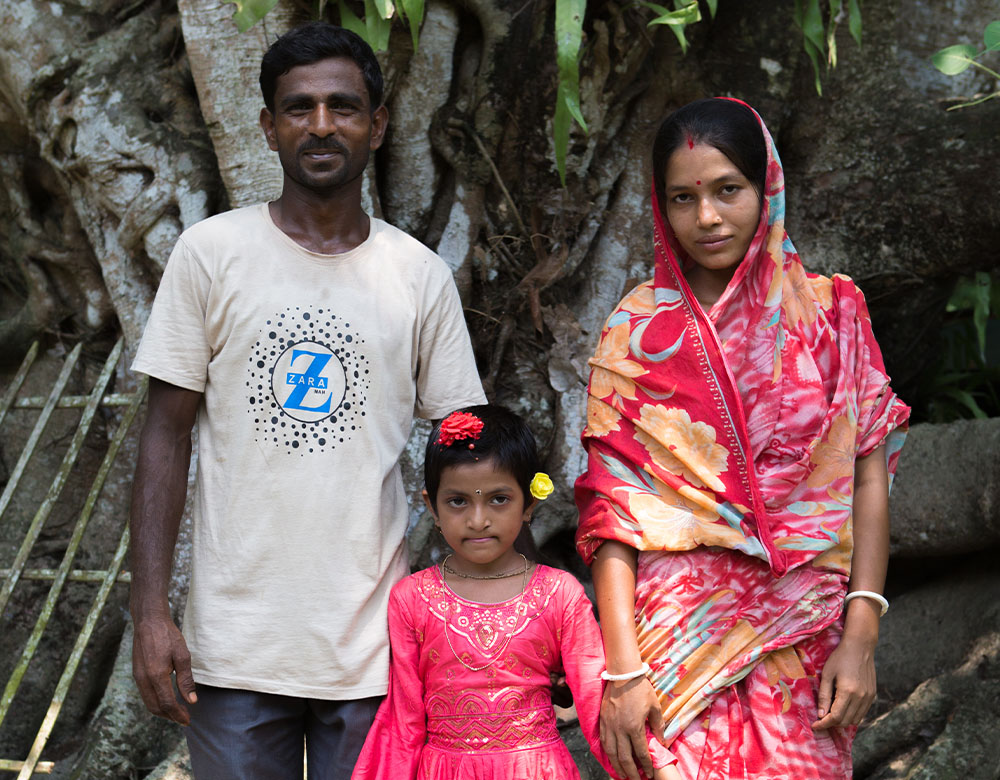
(501, 576)
(506, 640)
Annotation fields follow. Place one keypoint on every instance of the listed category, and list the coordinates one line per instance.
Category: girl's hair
(506, 440)
(730, 127)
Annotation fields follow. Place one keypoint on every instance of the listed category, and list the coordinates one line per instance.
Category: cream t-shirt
(312, 367)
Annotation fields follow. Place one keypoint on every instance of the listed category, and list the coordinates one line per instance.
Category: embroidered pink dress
(444, 721)
(722, 446)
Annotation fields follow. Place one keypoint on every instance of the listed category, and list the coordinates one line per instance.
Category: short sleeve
(447, 378)
(882, 416)
(174, 345)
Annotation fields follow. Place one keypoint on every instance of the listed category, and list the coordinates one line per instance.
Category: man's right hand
(159, 649)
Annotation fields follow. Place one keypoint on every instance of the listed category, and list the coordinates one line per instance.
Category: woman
(741, 438)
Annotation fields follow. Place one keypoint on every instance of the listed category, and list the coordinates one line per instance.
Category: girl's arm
(627, 706)
(848, 678)
(583, 662)
(396, 739)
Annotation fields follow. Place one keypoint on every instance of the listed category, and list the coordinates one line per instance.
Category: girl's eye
(731, 189)
(682, 198)
(455, 502)
(500, 500)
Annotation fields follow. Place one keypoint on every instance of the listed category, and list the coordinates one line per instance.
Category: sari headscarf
(739, 427)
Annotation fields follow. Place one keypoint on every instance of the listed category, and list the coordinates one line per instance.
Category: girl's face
(712, 207)
(480, 511)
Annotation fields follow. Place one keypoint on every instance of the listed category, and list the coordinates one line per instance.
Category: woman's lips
(713, 242)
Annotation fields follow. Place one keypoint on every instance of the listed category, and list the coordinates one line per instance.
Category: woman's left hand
(847, 685)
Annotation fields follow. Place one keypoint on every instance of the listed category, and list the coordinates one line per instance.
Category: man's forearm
(158, 494)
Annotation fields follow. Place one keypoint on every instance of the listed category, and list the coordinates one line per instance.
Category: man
(302, 335)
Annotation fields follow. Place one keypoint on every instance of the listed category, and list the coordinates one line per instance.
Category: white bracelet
(868, 594)
(605, 675)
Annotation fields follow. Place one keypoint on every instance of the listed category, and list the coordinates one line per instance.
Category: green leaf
(952, 60)
(713, 6)
(831, 32)
(965, 399)
(686, 14)
(377, 25)
(974, 293)
(560, 132)
(809, 18)
(814, 56)
(991, 36)
(569, 37)
(981, 313)
(812, 24)
(352, 22)
(249, 12)
(413, 12)
(384, 8)
(854, 19)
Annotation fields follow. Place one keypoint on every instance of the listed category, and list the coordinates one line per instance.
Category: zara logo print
(308, 381)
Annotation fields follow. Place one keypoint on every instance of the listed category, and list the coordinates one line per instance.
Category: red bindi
(698, 182)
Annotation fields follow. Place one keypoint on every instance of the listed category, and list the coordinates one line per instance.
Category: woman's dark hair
(313, 42)
(730, 127)
(506, 440)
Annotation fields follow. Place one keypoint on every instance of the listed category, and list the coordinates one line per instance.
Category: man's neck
(328, 224)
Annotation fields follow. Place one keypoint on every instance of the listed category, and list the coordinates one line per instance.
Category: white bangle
(605, 675)
(868, 594)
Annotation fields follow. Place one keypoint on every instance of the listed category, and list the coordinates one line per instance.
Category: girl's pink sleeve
(582, 651)
(393, 746)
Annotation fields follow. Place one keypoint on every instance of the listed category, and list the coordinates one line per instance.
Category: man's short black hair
(311, 43)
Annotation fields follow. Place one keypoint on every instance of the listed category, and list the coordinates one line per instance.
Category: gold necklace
(506, 641)
(501, 576)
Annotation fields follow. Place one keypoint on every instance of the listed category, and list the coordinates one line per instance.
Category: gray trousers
(246, 735)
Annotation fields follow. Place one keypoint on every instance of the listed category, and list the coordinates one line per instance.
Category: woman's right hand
(625, 711)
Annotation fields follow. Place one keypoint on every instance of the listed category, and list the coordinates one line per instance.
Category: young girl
(475, 639)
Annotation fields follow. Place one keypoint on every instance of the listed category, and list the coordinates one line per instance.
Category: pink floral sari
(722, 446)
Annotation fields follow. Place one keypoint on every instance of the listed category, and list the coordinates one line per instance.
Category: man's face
(323, 128)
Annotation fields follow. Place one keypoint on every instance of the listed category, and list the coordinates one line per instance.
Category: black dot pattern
(307, 381)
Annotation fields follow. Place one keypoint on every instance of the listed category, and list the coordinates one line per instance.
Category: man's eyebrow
(351, 98)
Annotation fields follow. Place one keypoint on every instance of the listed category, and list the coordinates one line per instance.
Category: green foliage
(819, 40)
(569, 37)
(965, 380)
(249, 12)
(952, 60)
(684, 13)
(376, 25)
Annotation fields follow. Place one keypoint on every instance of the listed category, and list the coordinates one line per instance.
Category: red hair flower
(457, 426)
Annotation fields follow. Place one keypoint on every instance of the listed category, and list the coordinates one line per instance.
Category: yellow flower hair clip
(541, 486)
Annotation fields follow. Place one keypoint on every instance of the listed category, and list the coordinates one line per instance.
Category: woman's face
(712, 207)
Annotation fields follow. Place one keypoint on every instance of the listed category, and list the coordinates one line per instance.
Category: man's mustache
(324, 144)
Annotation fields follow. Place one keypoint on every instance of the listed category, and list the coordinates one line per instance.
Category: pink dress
(444, 721)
